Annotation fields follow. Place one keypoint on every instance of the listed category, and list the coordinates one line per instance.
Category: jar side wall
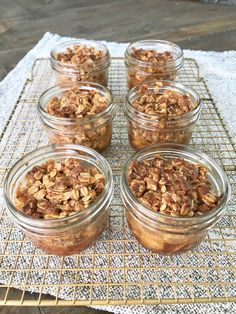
(135, 76)
(97, 138)
(99, 77)
(94, 131)
(73, 241)
(140, 137)
(141, 71)
(64, 72)
(160, 241)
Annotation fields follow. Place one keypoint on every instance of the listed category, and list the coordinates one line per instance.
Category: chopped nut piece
(138, 187)
(61, 193)
(183, 189)
(151, 184)
(209, 199)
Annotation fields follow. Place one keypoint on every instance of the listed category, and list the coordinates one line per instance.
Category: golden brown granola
(173, 187)
(168, 103)
(151, 55)
(59, 189)
(81, 55)
(77, 103)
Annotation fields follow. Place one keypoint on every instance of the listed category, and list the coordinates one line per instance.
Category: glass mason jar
(147, 129)
(94, 131)
(72, 234)
(97, 73)
(167, 234)
(141, 71)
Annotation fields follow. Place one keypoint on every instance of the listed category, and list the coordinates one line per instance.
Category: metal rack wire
(116, 269)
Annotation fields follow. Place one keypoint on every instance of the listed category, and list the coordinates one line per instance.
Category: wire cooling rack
(116, 269)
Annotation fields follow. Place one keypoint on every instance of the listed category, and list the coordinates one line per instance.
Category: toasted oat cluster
(168, 103)
(81, 55)
(77, 104)
(173, 187)
(59, 189)
(151, 55)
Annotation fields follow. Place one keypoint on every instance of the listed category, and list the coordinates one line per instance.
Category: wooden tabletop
(191, 24)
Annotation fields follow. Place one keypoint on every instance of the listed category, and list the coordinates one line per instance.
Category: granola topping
(172, 187)
(168, 103)
(151, 55)
(77, 103)
(81, 55)
(59, 189)
(166, 121)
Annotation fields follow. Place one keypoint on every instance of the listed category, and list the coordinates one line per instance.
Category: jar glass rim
(179, 57)
(184, 149)
(76, 150)
(183, 89)
(66, 87)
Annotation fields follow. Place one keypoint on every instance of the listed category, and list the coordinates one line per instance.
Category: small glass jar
(147, 129)
(94, 131)
(167, 234)
(141, 71)
(72, 234)
(65, 72)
